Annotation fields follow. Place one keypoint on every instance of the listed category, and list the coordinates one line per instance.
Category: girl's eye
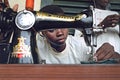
(51, 30)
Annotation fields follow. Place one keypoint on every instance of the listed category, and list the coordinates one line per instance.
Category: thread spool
(29, 5)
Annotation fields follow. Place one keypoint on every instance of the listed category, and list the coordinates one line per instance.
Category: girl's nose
(59, 31)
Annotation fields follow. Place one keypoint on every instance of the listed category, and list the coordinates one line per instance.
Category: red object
(29, 5)
(20, 55)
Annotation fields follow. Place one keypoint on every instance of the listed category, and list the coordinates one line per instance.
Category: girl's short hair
(52, 9)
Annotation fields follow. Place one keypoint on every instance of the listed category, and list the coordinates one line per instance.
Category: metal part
(25, 20)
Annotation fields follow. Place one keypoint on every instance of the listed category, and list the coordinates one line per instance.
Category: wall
(76, 6)
(22, 4)
(46, 2)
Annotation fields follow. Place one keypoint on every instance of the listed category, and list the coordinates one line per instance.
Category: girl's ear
(41, 34)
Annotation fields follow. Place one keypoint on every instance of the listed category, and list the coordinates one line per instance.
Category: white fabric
(78, 33)
(99, 15)
(74, 53)
(110, 35)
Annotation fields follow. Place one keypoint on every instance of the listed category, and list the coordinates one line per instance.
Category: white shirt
(75, 51)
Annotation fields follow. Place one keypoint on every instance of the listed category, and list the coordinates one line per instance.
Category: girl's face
(56, 37)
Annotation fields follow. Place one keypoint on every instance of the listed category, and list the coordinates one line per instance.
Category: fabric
(109, 35)
(75, 51)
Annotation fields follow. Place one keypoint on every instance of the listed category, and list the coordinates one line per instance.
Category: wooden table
(59, 72)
